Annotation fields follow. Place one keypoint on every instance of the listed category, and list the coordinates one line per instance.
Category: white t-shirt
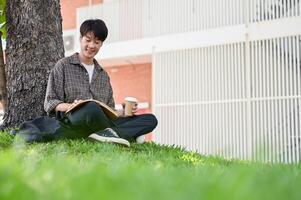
(90, 69)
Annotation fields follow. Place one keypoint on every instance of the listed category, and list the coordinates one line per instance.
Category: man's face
(89, 45)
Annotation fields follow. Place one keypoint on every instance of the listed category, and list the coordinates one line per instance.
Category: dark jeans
(90, 118)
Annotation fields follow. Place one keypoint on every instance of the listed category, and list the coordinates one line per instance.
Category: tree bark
(34, 45)
(3, 92)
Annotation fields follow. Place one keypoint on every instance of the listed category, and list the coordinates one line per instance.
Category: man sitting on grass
(80, 77)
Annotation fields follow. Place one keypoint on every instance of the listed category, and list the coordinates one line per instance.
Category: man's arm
(111, 101)
(54, 99)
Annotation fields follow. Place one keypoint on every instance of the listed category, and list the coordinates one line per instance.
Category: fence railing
(207, 100)
(135, 19)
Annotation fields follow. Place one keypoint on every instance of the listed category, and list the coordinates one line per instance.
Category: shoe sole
(109, 139)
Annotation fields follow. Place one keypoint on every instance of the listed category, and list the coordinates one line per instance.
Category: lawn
(81, 169)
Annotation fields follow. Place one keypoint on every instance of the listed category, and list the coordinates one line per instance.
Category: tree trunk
(34, 45)
(3, 92)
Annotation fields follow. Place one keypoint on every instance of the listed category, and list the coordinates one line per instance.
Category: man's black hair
(96, 26)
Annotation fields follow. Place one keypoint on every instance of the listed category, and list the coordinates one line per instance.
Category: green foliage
(2, 18)
(80, 169)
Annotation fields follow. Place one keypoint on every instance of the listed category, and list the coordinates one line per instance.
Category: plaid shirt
(69, 80)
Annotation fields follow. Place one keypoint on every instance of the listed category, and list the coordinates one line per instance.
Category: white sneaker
(140, 139)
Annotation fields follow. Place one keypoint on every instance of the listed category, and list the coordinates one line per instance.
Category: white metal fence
(237, 100)
(209, 101)
(134, 19)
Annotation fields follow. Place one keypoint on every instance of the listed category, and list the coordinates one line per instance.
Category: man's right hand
(63, 107)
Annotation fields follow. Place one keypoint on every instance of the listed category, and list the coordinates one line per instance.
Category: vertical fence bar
(268, 11)
(273, 87)
(286, 51)
(240, 105)
(219, 105)
(275, 112)
(291, 110)
(225, 135)
(279, 101)
(299, 7)
(283, 101)
(209, 111)
(262, 102)
(296, 7)
(271, 102)
(248, 74)
(213, 98)
(268, 102)
(202, 98)
(298, 135)
(260, 112)
(295, 105)
(233, 72)
(289, 10)
(256, 94)
(276, 5)
(292, 8)
(275, 105)
(286, 8)
(228, 113)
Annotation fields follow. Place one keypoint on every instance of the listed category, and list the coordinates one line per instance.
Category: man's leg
(135, 126)
(90, 118)
(87, 119)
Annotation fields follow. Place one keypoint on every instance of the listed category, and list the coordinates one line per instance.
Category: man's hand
(63, 107)
(134, 111)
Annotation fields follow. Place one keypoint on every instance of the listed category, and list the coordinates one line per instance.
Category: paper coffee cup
(130, 102)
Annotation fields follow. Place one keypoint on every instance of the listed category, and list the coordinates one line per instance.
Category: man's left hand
(135, 109)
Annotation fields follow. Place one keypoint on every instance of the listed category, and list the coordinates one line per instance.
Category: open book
(111, 114)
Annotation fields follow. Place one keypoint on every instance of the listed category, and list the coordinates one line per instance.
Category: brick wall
(131, 80)
(68, 10)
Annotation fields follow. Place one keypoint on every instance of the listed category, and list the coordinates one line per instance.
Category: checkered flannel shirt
(69, 80)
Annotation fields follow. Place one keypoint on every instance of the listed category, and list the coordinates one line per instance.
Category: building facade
(222, 76)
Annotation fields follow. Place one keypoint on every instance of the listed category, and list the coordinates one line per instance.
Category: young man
(80, 77)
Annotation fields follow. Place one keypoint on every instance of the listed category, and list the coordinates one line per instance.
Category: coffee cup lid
(131, 99)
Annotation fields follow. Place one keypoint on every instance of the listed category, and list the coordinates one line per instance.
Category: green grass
(80, 169)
